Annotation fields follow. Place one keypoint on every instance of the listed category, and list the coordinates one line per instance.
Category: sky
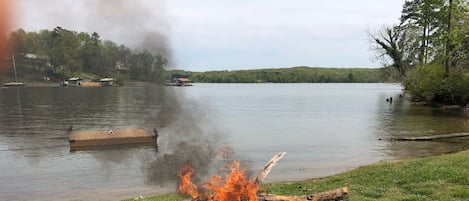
(208, 35)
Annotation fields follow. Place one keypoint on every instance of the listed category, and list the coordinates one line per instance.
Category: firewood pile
(336, 194)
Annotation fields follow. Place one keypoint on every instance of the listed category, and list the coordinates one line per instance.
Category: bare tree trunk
(448, 39)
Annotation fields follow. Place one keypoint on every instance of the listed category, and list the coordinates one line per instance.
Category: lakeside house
(182, 82)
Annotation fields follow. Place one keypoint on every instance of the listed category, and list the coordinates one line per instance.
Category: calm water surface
(324, 128)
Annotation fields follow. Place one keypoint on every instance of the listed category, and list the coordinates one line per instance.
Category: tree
(90, 52)
(17, 41)
(158, 68)
(65, 50)
(425, 15)
(110, 56)
(430, 31)
(455, 33)
(124, 55)
(397, 44)
(71, 52)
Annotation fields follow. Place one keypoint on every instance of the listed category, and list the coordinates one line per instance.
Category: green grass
(444, 177)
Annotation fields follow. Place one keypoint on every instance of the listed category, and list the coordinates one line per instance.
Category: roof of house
(182, 79)
(108, 79)
(74, 79)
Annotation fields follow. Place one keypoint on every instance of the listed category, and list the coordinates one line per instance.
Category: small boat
(73, 82)
(108, 81)
(100, 138)
(14, 84)
(180, 82)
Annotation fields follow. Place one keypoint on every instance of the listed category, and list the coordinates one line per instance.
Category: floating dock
(96, 138)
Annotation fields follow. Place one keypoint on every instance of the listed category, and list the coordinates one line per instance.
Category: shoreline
(369, 175)
(58, 84)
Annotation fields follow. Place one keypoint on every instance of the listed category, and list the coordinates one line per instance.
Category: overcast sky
(227, 34)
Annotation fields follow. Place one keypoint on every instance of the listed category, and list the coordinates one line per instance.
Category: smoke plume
(187, 135)
(139, 24)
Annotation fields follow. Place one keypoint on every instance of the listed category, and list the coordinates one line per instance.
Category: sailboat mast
(14, 67)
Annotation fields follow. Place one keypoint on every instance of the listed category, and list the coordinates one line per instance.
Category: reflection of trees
(34, 121)
(24, 123)
(406, 119)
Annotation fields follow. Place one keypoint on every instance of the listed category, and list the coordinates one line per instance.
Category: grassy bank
(444, 177)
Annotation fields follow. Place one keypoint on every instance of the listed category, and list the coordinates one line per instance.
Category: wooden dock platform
(93, 138)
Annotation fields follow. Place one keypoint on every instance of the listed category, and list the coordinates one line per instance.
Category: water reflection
(315, 123)
(404, 119)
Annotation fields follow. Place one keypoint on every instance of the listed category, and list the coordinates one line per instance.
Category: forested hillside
(61, 53)
(291, 75)
(65, 52)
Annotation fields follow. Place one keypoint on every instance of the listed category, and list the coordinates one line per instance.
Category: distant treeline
(291, 75)
(60, 51)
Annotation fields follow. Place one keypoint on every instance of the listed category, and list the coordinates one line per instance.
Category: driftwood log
(268, 167)
(429, 138)
(336, 194)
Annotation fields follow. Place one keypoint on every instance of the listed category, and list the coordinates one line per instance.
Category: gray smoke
(186, 133)
(187, 136)
(140, 24)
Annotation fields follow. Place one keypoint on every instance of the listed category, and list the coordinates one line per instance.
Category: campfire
(235, 186)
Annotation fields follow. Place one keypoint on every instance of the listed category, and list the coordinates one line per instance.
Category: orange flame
(225, 152)
(187, 187)
(236, 187)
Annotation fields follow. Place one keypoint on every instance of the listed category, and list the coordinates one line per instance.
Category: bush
(430, 83)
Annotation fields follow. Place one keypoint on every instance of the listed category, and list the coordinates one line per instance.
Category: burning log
(237, 187)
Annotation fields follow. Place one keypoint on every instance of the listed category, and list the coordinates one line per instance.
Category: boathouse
(182, 82)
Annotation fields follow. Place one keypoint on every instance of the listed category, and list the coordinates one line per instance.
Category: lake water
(324, 128)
